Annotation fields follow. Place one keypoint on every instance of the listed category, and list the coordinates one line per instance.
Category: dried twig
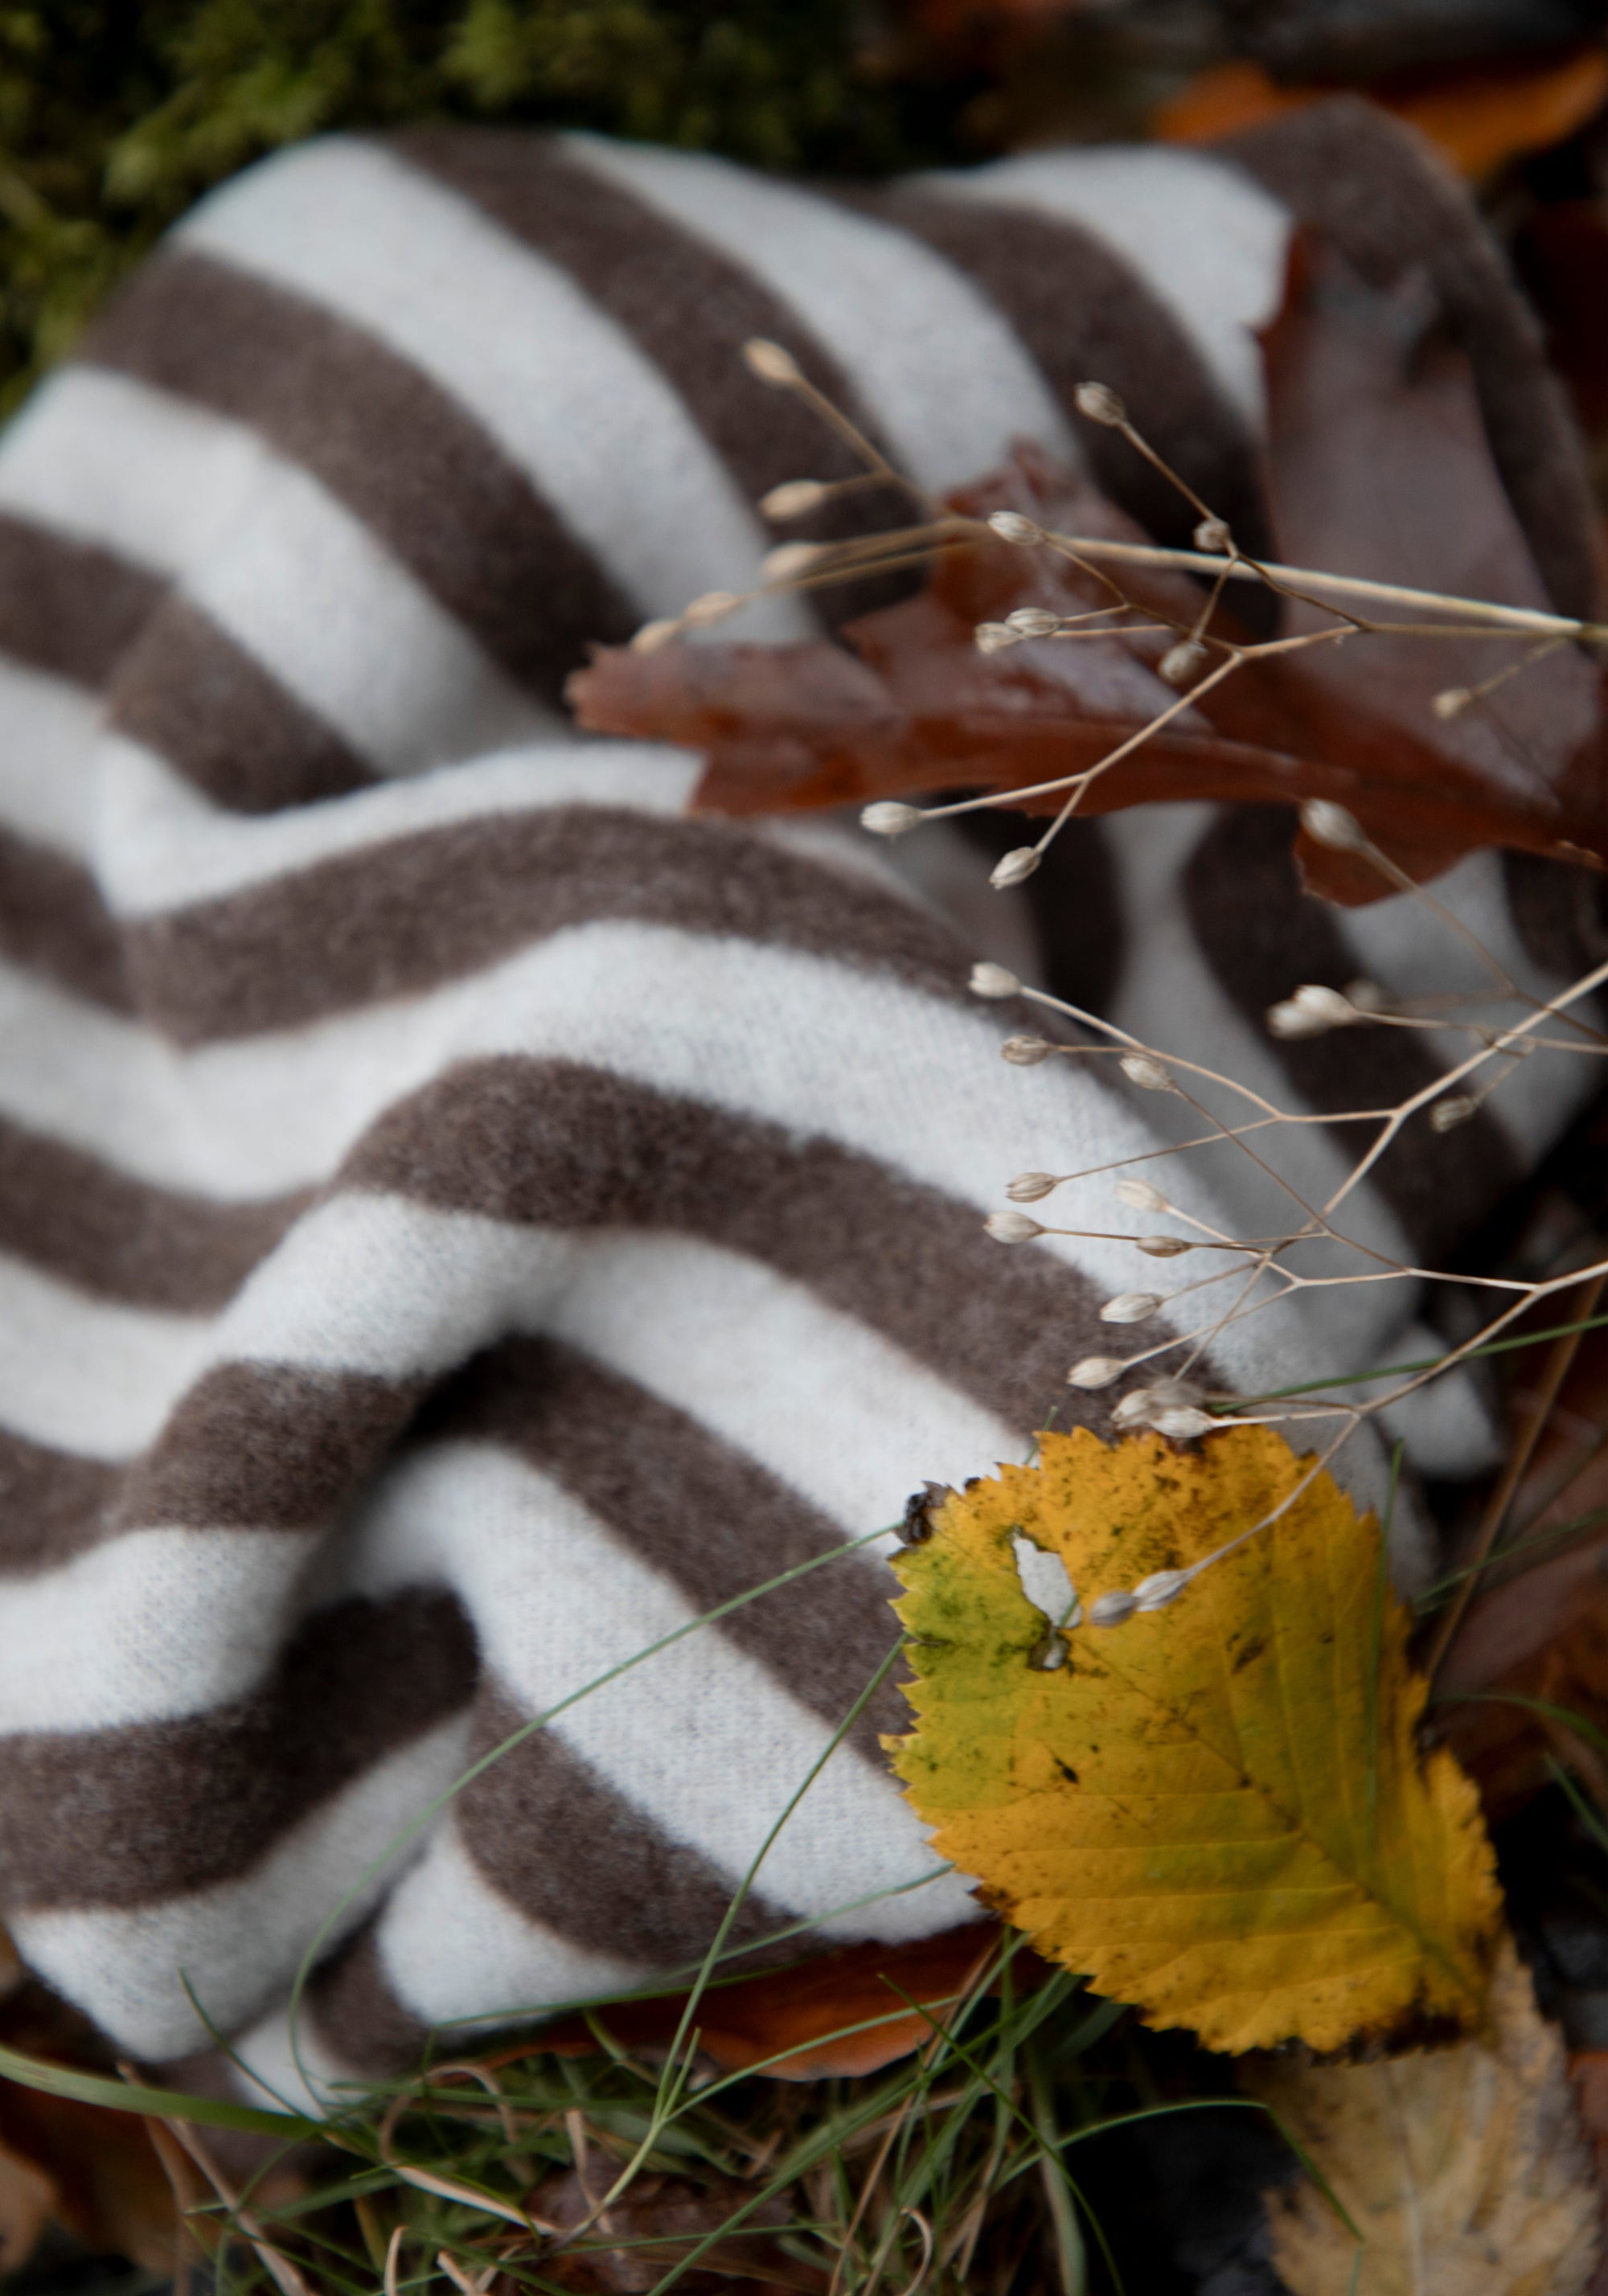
(1258, 1268)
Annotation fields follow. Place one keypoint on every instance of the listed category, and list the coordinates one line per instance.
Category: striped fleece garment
(463, 1218)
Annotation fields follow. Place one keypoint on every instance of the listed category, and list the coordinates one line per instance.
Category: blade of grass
(1070, 2251)
(165, 2104)
(1564, 1349)
(1425, 1363)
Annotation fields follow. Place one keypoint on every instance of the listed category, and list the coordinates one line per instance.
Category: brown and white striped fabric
(462, 1219)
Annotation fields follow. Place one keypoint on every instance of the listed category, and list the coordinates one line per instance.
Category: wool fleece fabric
(464, 1217)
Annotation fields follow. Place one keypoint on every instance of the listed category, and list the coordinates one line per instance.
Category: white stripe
(859, 1410)
(85, 1375)
(387, 1286)
(240, 1943)
(47, 738)
(105, 1086)
(298, 583)
(807, 1042)
(1168, 998)
(168, 1621)
(817, 1047)
(162, 847)
(1445, 1426)
(150, 1626)
(263, 2071)
(454, 1947)
(564, 391)
(109, 461)
(903, 1079)
(315, 595)
(940, 372)
(394, 1289)
(1206, 240)
(1402, 943)
(671, 1733)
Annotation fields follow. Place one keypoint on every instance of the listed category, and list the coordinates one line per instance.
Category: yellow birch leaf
(1464, 2169)
(1217, 1811)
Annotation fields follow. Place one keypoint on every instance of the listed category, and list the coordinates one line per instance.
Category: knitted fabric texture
(464, 1218)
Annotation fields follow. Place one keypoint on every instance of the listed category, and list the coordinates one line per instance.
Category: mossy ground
(113, 118)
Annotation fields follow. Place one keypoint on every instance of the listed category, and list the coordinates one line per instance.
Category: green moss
(114, 118)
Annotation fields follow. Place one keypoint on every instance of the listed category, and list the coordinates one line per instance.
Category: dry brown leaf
(1224, 99)
(25, 2210)
(656, 2225)
(1477, 115)
(25, 2192)
(1495, 1721)
(1561, 254)
(1538, 1636)
(1377, 466)
(93, 2171)
(800, 2022)
(915, 705)
(1589, 2075)
(1464, 2168)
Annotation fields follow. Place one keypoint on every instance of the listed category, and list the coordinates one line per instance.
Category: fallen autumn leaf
(1217, 1811)
(1463, 2169)
(1377, 468)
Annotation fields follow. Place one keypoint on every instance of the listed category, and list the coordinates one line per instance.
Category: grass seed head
(1012, 1227)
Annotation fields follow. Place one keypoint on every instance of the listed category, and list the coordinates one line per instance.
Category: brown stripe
(259, 1445)
(1561, 914)
(1370, 186)
(398, 918)
(52, 1504)
(125, 1817)
(711, 1520)
(550, 1143)
(558, 1841)
(1263, 936)
(1084, 315)
(354, 2010)
(266, 1446)
(411, 464)
(1075, 902)
(68, 607)
(189, 692)
(551, 1837)
(54, 921)
(121, 1239)
(689, 310)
